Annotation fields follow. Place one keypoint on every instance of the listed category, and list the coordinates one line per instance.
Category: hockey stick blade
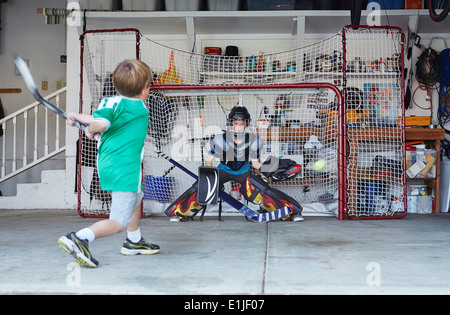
(253, 215)
(28, 78)
(249, 213)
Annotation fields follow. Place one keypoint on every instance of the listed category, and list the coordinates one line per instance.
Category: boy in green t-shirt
(122, 121)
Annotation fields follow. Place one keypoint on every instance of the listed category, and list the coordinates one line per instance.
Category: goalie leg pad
(253, 189)
(257, 191)
(184, 204)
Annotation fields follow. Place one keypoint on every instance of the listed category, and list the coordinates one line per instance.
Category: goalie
(235, 149)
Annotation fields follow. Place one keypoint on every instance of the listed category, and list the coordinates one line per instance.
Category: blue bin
(390, 4)
(158, 188)
(372, 196)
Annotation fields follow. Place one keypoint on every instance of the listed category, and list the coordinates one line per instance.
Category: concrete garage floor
(318, 256)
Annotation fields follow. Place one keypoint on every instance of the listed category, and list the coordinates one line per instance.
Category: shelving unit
(259, 22)
(433, 139)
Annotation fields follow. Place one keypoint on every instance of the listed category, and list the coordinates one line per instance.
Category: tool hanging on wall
(444, 90)
(412, 40)
(429, 66)
(428, 73)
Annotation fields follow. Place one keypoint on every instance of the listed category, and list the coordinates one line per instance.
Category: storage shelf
(433, 137)
(261, 22)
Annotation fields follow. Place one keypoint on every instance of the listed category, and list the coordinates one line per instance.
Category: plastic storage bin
(159, 189)
(223, 5)
(421, 164)
(140, 5)
(271, 5)
(425, 204)
(99, 4)
(412, 205)
(182, 5)
(417, 190)
(420, 204)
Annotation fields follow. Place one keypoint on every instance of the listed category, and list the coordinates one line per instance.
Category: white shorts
(123, 204)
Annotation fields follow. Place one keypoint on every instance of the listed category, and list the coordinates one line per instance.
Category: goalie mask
(237, 116)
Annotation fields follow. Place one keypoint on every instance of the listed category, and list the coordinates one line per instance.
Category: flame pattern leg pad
(184, 204)
(257, 191)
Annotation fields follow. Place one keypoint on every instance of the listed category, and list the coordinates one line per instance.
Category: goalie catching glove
(280, 169)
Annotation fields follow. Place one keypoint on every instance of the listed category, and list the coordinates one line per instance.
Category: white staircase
(48, 194)
(31, 136)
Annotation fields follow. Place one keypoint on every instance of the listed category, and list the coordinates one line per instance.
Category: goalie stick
(27, 77)
(249, 213)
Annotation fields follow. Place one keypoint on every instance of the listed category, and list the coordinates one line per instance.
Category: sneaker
(78, 248)
(174, 219)
(140, 248)
(297, 217)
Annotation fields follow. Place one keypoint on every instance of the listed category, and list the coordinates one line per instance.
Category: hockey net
(182, 120)
(101, 51)
(375, 122)
(280, 116)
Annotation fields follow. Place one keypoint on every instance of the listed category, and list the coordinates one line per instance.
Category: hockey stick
(26, 74)
(249, 213)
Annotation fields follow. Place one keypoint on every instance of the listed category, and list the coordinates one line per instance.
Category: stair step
(48, 194)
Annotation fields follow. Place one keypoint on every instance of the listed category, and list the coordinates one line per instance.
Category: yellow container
(415, 121)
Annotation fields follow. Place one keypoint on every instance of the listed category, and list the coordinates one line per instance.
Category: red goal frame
(342, 131)
(342, 162)
(80, 109)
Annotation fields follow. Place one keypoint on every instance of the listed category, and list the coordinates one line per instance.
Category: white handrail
(16, 113)
(17, 128)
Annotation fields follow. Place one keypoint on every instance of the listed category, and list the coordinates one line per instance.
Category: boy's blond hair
(131, 76)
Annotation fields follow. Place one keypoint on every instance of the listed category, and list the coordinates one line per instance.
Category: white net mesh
(318, 62)
(101, 52)
(291, 122)
(374, 122)
(295, 123)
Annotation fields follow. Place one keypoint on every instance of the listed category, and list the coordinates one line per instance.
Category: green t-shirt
(121, 147)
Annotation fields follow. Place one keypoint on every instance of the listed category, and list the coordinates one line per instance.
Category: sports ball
(320, 165)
